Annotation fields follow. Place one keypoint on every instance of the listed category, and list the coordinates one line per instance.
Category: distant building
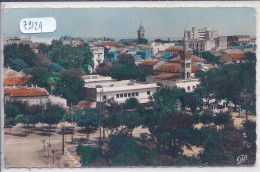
(103, 88)
(141, 31)
(74, 42)
(17, 40)
(201, 39)
(18, 87)
(180, 75)
(98, 55)
(14, 78)
(160, 46)
(151, 65)
(31, 95)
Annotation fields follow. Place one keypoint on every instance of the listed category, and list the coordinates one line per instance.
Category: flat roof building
(102, 89)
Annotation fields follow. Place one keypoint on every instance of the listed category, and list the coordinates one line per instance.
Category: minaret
(185, 68)
(141, 31)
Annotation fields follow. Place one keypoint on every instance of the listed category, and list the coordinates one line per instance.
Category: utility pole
(72, 127)
(63, 139)
(100, 111)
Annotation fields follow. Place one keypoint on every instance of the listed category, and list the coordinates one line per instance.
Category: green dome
(141, 27)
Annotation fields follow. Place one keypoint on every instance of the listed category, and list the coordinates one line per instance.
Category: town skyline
(123, 23)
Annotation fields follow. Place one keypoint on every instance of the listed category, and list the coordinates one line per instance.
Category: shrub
(89, 154)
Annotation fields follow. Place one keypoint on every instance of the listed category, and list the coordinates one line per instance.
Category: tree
(54, 67)
(71, 57)
(70, 88)
(142, 41)
(207, 116)
(53, 114)
(40, 77)
(222, 119)
(131, 103)
(103, 69)
(41, 61)
(74, 72)
(165, 101)
(112, 122)
(21, 51)
(211, 58)
(89, 118)
(89, 154)
(192, 100)
(126, 71)
(132, 121)
(17, 64)
(126, 59)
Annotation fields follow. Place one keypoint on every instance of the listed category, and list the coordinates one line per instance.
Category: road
(24, 152)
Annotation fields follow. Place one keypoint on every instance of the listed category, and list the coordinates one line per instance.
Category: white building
(98, 55)
(119, 91)
(160, 47)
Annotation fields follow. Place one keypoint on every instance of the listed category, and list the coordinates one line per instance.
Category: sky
(124, 22)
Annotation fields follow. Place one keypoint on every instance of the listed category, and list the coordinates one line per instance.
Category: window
(193, 87)
(187, 64)
(104, 97)
(136, 93)
(117, 96)
(121, 95)
(148, 92)
(188, 87)
(129, 94)
(133, 94)
(125, 95)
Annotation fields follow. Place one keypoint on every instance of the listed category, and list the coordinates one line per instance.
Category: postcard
(171, 86)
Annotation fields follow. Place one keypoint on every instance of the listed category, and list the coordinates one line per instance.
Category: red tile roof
(25, 92)
(169, 68)
(175, 69)
(17, 81)
(178, 60)
(150, 63)
(111, 45)
(195, 69)
(85, 105)
(236, 56)
(174, 49)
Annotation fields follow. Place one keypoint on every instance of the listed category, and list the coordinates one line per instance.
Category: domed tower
(141, 31)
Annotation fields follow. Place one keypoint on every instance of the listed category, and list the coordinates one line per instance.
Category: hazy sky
(124, 22)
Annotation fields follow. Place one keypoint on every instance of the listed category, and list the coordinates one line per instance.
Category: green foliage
(129, 157)
(9, 122)
(70, 88)
(16, 64)
(142, 41)
(71, 57)
(112, 122)
(250, 130)
(40, 77)
(89, 154)
(211, 58)
(53, 114)
(44, 48)
(131, 103)
(54, 67)
(126, 71)
(22, 52)
(196, 118)
(166, 100)
(12, 109)
(192, 100)
(222, 119)
(132, 121)
(126, 59)
(187, 161)
(207, 117)
(230, 81)
(89, 119)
